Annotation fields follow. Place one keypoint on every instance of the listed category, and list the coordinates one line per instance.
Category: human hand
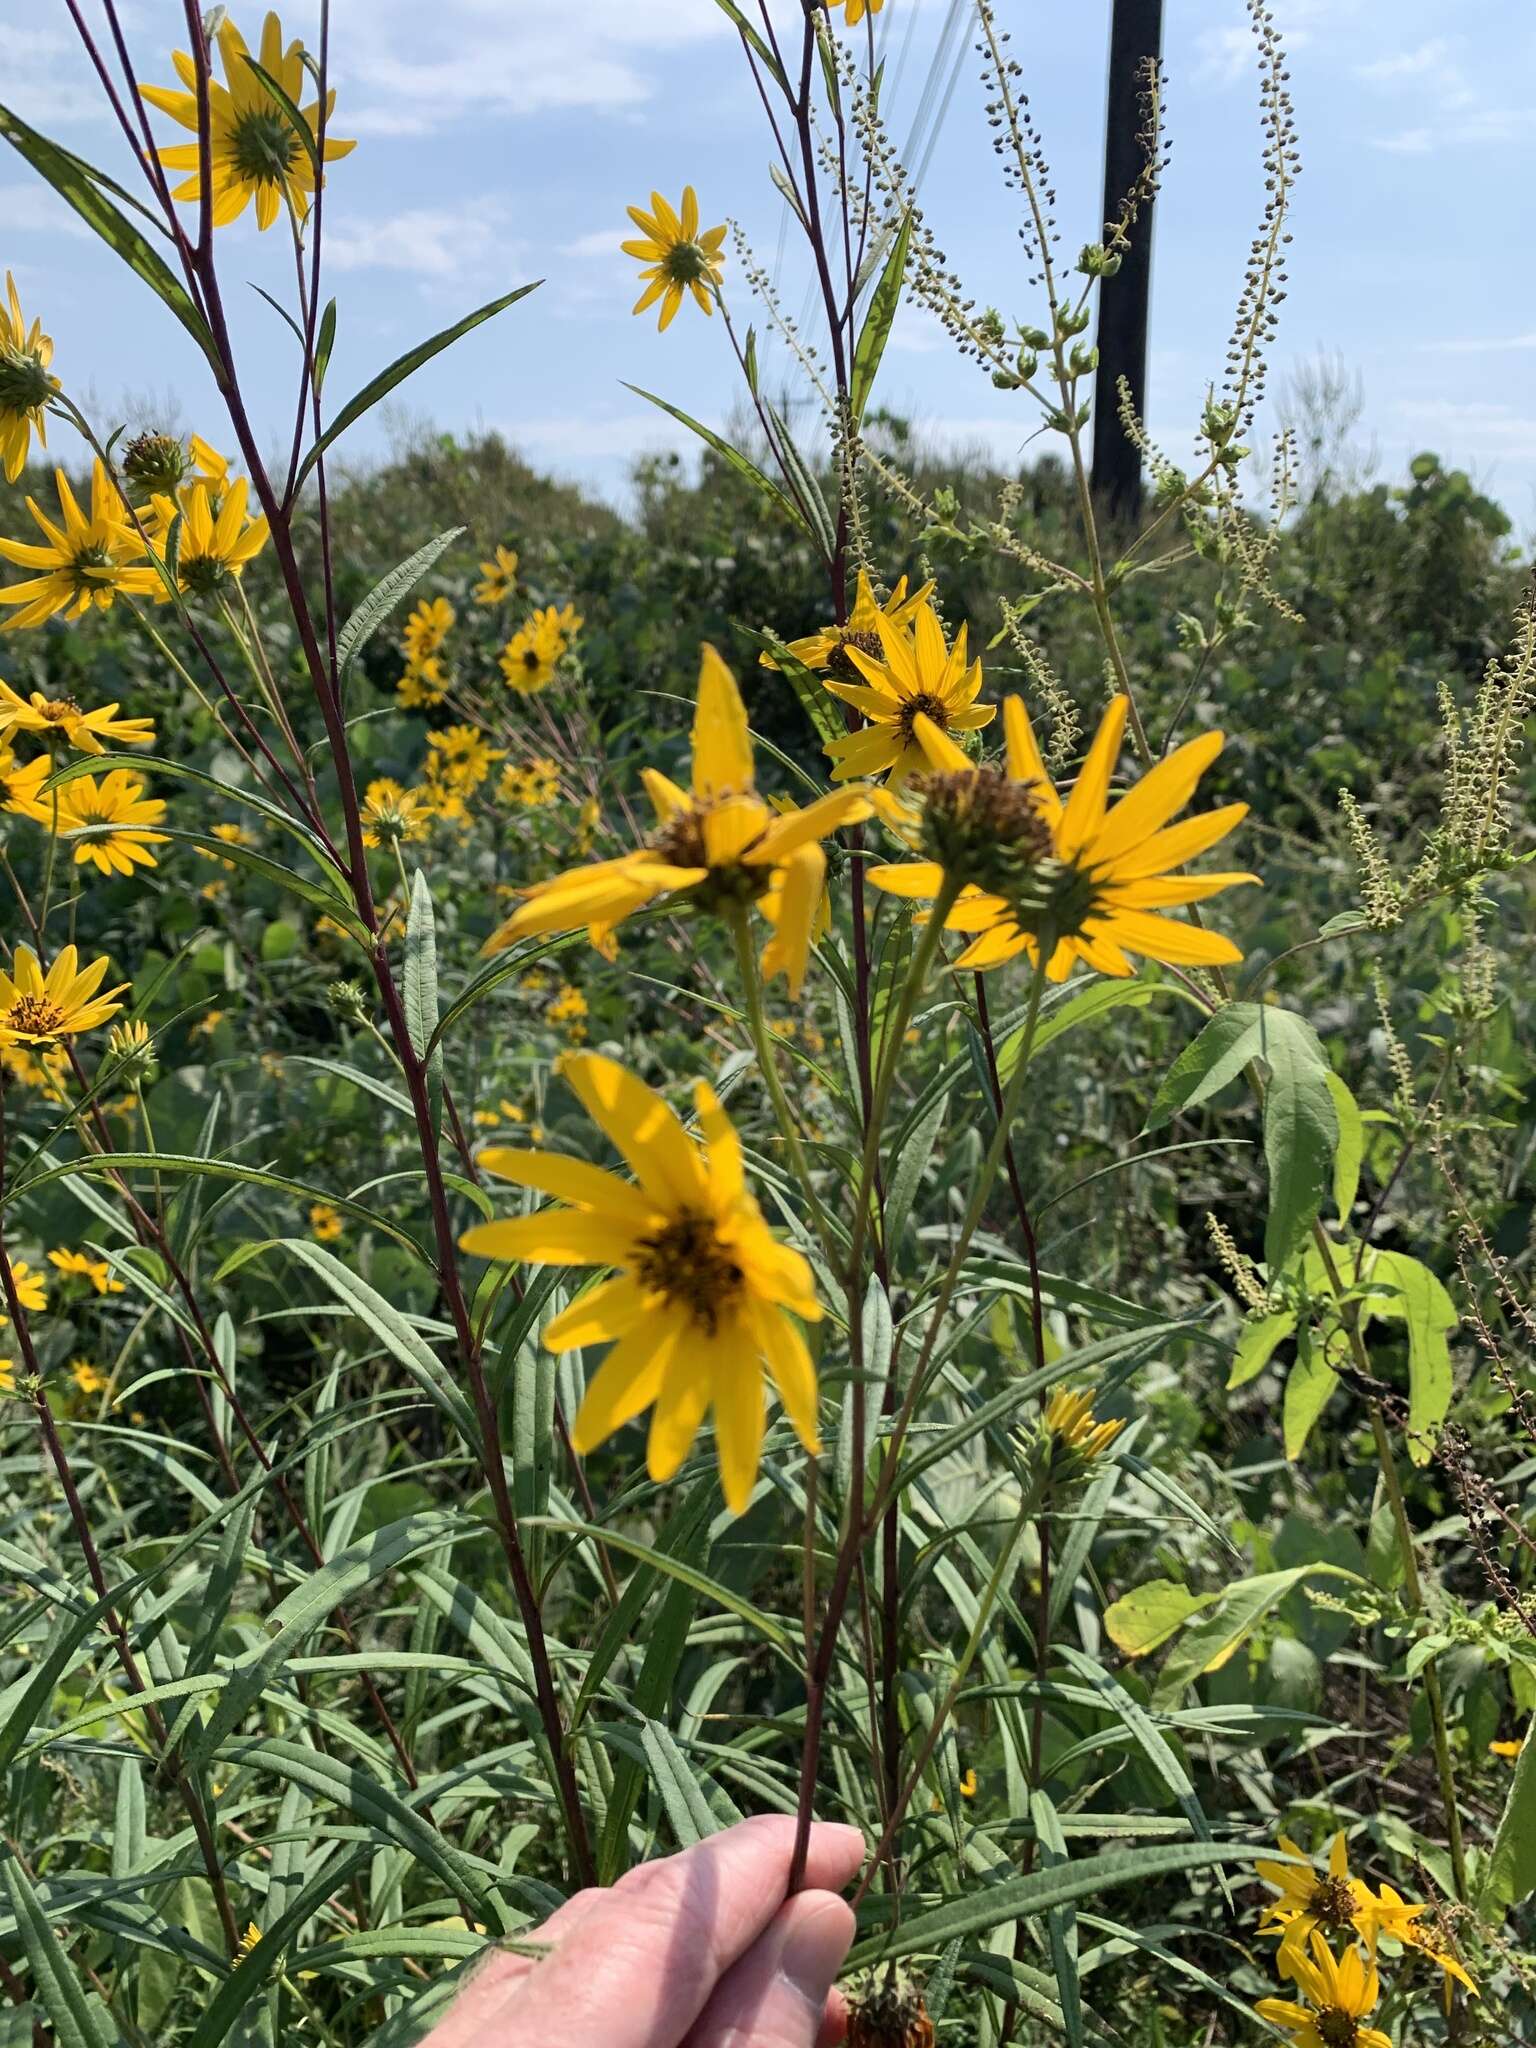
(701, 1950)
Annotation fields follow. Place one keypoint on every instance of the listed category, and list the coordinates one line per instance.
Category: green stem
(892, 1040)
(762, 1039)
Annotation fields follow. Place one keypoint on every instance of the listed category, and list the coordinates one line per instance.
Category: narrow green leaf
(743, 465)
(1509, 1875)
(1351, 1148)
(807, 490)
(64, 1999)
(1218, 1636)
(420, 991)
(304, 135)
(1061, 1921)
(325, 342)
(688, 1810)
(79, 186)
(876, 330)
(1023, 1898)
(386, 594)
(760, 49)
(402, 367)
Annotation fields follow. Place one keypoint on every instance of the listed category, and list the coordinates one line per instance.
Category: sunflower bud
(346, 999)
(155, 462)
(894, 2016)
(131, 1051)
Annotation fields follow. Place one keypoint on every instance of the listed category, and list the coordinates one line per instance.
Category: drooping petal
(794, 1375)
(802, 879)
(680, 1406)
(739, 1423)
(610, 1309)
(722, 746)
(629, 1379)
(826, 814)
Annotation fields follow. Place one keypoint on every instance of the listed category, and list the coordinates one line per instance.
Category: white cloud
(565, 438)
(1477, 345)
(1460, 128)
(35, 210)
(424, 241)
(1431, 56)
(1471, 429)
(485, 57)
(600, 242)
(48, 77)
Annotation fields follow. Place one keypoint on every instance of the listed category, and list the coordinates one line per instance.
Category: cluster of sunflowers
(84, 1280)
(1329, 1925)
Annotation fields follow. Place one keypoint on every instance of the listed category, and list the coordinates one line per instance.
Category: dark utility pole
(1136, 35)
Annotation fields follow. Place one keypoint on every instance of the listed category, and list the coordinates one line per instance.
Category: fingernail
(815, 1944)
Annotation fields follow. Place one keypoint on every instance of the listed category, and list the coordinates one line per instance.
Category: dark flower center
(838, 662)
(686, 1262)
(680, 843)
(35, 1016)
(1333, 1903)
(926, 705)
(1337, 2028)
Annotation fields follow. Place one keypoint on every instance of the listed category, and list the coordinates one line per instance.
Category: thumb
(779, 1995)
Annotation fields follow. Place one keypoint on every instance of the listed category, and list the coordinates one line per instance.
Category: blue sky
(500, 139)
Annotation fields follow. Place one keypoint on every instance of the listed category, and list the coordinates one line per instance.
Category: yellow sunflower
(678, 258)
(214, 545)
(704, 1299)
(1339, 1996)
(498, 577)
(80, 1266)
(719, 847)
(20, 782)
(1418, 1926)
(40, 1009)
(461, 756)
(857, 9)
(391, 812)
(31, 1289)
(423, 685)
(86, 561)
(531, 658)
(119, 817)
(1309, 1903)
(1092, 877)
(25, 385)
(60, 718)
(828, 649)
(430, 623)
(253, 149)
(913, 676)
(325, 1222)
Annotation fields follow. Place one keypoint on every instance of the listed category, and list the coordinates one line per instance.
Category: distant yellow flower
(913, 676)
(391, 812)
(40, 1009)
(25, 385)
(87, 1378)
(532, 784)
(678, 258)
(61, 718)
(87, 561)
(325, 1222)
(80, 1266)
(531, 658)
(427, 628)
(570, 1009)
(498, 577)
(1091, 877)
(254, 150)
(208, 1023)
(562, 619)
(1070, 1419)
(828, 649)
(1508, 1750)
(20, 782)
(423, 684)
(47, 1072)
(460, 756)
(213, 547)
(718, 847)
(1339, 1995)
(705, 1298)
(7, 1376)
(1418, 1926)
(1336, 1904)
(117, 802)
(31, 1290)
(248, 1941)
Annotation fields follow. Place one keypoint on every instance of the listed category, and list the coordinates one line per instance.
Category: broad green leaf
(1403, 1287)
(386, 594)
(1148, 1615)
(402, 367)
(1346, 1161)
(1509, 1875)
(1257, 1346)
(1218, 1635)
(742, 464)
(1309, 1387)
(875, 332)
(1208, 1064)
(79, 186)
(1301, 1131)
